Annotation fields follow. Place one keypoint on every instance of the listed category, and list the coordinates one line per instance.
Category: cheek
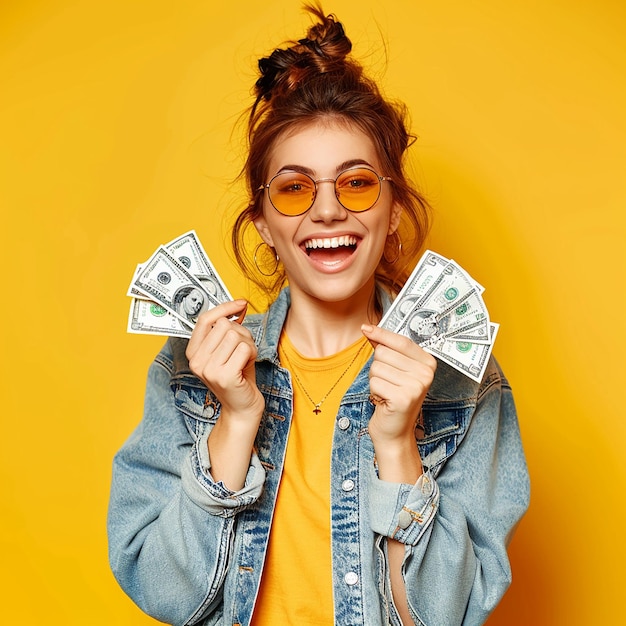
(379, 228)
(283, 229)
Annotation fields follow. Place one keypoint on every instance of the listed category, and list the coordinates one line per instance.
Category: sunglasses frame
(326, 180)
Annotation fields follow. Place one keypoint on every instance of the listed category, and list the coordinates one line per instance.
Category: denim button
(347, 485)
(404, 519)
(351, 578)
(343, 423)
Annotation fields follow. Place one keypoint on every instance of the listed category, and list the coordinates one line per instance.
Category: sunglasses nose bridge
(333, 181)
(322, 207)
(326, 180)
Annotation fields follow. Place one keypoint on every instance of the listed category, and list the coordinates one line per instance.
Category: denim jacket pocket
(198, 406)
(445, 424)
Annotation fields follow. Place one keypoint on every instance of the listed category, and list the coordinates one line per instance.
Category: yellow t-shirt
(296, 585)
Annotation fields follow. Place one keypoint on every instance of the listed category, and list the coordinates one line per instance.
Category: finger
(383, 354)
(239, 319)
(400, 381)
(218, 344)
(229, 374)
(388, 395)
(382, 391)
(389, 345)
(379, 335)
(208, 319)
(417, 361)
(407, 384)
(224, 339)
(398, 397)
(226, 309)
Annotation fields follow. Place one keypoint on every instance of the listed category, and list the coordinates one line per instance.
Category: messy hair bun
(322, 51)
(313, 79)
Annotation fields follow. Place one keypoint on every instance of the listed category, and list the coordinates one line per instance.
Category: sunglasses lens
(358, 189)
(292, 193)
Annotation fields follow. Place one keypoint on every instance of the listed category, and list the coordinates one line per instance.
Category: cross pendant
(317, 409)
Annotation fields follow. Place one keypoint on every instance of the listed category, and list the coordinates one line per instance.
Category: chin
(338, 289)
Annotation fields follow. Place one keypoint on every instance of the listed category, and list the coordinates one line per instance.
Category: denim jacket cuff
(400, 511)
(213, 496)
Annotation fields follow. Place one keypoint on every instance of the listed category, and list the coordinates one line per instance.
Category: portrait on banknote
(190, 302)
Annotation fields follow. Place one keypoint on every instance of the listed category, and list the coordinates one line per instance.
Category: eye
(357, 180)
(292, 187)
(292, 184)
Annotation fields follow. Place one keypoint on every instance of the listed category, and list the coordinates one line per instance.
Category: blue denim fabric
(190, 551)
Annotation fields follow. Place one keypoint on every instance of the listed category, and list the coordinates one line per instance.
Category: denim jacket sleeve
(170, 525)
(457, 520)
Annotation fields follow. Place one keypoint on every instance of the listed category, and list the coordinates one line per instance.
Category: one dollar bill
(149, 318)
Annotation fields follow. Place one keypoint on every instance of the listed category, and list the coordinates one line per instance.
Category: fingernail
(366, 328)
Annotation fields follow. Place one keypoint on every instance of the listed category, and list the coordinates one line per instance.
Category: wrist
(398, 461)
(230, 446)
(239, 426)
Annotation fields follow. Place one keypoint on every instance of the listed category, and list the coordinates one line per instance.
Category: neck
(318, 328)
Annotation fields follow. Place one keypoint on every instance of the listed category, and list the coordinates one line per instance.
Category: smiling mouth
(330, 251)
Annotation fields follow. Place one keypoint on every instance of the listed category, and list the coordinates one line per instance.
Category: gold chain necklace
(316, 405)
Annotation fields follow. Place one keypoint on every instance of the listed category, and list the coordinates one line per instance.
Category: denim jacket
(189, 551)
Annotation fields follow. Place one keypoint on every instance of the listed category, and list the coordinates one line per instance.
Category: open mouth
(331, 250)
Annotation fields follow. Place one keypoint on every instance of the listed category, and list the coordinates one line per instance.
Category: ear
(394, 220)
(263, 229)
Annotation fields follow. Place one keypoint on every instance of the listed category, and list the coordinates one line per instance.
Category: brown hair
(315, 79)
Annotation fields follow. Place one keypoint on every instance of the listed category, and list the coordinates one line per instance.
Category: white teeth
(331, 242)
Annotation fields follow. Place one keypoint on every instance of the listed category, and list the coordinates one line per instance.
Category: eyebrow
(340, 168)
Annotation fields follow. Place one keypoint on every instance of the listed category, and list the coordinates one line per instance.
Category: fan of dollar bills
(172, 288)
(440, 307)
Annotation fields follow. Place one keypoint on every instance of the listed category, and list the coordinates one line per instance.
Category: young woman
(307, 466)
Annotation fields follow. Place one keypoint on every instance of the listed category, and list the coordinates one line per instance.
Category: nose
(326, 207)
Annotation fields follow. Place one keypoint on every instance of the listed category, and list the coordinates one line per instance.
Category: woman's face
(329, 253)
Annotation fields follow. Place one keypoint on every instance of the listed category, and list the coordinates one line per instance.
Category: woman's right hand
(222, 354)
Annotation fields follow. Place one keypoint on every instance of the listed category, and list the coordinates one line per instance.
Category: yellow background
(115, 136)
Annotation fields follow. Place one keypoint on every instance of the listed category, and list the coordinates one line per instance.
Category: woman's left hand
(400, 377)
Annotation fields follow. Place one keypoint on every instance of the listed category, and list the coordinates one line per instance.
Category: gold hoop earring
(256, 262)
(395, 237)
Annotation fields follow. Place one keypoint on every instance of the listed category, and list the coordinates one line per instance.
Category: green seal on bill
(157, 310)
(463, 346)
(451, 293)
